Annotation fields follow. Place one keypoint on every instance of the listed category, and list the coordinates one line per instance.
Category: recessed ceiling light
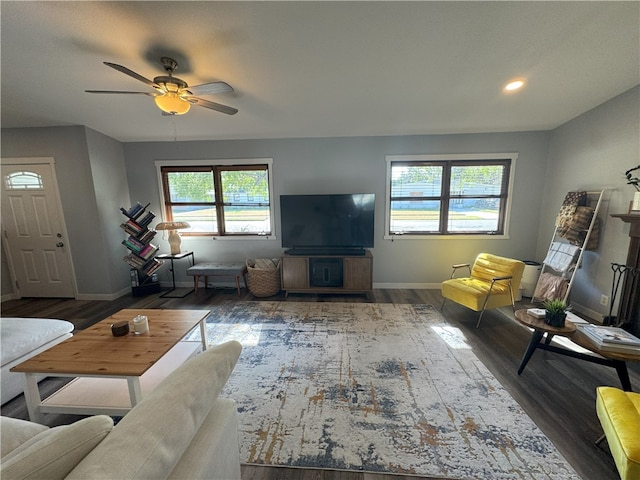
(514, 85)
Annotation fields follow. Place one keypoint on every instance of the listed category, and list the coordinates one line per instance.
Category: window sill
(483, 236)
(241, 237)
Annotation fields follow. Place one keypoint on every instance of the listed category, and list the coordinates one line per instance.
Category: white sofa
(21, 339)
(181, 430)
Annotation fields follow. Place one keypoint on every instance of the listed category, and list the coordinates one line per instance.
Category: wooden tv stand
(356, 275)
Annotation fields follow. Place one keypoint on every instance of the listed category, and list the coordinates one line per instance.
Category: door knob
(59, 244)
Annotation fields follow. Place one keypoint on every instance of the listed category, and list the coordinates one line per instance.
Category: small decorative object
(120, 329)
(555, 312)
(140, 324)
(174, 236)
(635, 181)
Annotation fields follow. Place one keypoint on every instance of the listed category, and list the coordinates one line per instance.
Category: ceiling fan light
(171, 103)
(514, 85)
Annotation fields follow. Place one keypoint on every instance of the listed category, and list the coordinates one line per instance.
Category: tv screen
(327, 221)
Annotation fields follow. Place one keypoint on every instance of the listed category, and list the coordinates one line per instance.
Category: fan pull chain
(175, 131)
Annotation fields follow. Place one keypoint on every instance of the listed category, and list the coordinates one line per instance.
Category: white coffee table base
(90, 395)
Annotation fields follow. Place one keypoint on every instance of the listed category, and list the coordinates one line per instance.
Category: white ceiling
(316, 69)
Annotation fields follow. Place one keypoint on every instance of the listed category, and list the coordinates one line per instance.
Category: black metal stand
(621, 275)
(171, 257)
(535, 342)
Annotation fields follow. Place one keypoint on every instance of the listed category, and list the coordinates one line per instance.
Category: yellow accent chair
(493, 282)
(619, 414)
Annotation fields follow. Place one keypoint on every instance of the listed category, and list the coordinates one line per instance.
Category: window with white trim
(23, 181)
(448, 194)
(219, 199)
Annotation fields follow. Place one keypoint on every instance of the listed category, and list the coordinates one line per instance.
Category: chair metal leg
(444, 299)
(513, 300)
(599, 440)
(484, 305)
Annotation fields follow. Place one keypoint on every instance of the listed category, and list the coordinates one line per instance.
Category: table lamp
(174, 236)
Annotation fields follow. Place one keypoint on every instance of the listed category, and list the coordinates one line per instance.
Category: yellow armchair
(619, 414)
(492, 282)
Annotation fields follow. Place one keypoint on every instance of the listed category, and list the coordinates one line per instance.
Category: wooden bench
(212, 269)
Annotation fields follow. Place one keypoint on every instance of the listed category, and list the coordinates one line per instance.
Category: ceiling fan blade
(131, 73)
(212, 105)
(150, 94)
(210, 88)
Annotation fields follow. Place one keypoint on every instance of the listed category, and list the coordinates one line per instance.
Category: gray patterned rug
(374, 387)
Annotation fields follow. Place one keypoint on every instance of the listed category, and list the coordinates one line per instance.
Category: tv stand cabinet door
(357, 273)
(295, 273)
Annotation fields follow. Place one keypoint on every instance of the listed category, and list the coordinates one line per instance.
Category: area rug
(374, 387)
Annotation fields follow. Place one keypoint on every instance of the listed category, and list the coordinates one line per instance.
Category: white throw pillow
(14, 432)
(53, 453)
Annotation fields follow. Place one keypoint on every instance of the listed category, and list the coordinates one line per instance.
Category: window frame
(215, 167)
(451, 160)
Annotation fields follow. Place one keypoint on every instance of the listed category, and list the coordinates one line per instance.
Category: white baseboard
(80, 296)
(9, 296)
(104, 296)
(584, 311)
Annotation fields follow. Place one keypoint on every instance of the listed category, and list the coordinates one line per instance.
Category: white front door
(34, 234)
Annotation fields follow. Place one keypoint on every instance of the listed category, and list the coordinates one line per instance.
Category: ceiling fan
(173, 96)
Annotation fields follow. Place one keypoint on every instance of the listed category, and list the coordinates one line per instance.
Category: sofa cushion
(14, 432)
(214, 451)
(150, 440)
(21, 336)
(53, 453)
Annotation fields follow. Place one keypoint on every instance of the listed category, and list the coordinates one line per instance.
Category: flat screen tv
(327, 224)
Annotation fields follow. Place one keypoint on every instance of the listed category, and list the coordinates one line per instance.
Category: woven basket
(263, 276)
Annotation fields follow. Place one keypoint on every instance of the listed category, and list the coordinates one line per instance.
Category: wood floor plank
(557, 392)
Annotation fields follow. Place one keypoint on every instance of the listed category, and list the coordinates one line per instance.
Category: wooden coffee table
(113, 372)
(616, 360)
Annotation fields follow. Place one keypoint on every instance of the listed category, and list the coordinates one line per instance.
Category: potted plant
(555, 312)
(635, 181)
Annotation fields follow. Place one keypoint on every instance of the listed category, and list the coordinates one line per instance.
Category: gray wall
(97, 175)
(112, 192)
(591, 152)
(90, 245)
(357, 164)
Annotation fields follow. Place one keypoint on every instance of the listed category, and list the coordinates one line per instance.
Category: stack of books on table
(612, 339)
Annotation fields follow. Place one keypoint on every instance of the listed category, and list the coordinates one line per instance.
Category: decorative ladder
(545, 267)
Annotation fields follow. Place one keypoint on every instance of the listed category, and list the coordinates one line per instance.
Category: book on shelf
(536, 312)
(141, 251)
(612, 339)
(131, 246)
(148, 251)
(146, 220)
(154, 265)
(620, 348)
(132, 228)
(133, 225)
(135, 243)
(611, 335)
(147, 268)
(147, 236)
(135, 211)
(134, 261)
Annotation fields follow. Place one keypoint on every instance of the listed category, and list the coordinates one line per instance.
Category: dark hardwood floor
(557, 392)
